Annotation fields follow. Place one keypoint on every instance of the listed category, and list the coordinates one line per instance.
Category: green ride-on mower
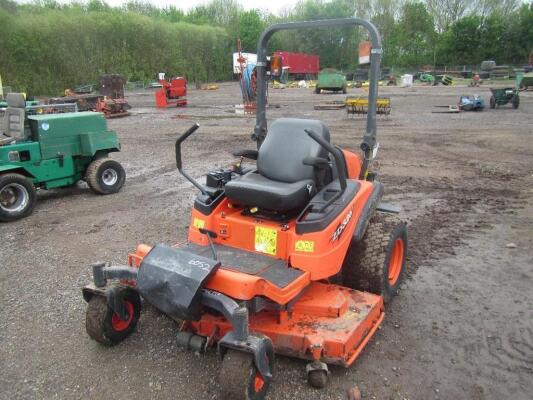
(502, 96)
(295, 256)
(53, 150)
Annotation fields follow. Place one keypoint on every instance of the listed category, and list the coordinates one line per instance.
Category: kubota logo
(338, 232)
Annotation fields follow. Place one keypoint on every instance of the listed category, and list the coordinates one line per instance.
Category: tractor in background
(47, 151)
(332, 80)
(503, 96)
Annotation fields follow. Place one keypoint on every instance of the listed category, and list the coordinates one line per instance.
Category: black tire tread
(317, 379)
(95, 320)
(91, 175)
(363, 265)
(235, 375)
(10, 177)
(98, 319)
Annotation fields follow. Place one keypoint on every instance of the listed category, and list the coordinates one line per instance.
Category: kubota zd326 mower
(296, 256)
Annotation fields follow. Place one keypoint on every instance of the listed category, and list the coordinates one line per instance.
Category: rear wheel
(377, 263)
(317, 90)
(516, 102)
(17, 197)
(105, 176)
(105, 326)
(239, 378)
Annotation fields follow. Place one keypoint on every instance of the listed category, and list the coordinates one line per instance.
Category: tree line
(46, 46)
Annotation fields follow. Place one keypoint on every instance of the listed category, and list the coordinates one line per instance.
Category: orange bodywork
(353, 164)
(238, 231)
(326, 322)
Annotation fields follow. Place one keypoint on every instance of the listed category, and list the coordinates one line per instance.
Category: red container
(299, 63)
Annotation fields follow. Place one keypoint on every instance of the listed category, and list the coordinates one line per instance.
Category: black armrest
(251, 154)
(317, 162)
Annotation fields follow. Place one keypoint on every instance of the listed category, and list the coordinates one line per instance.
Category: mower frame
(286, 305)
(369, 138)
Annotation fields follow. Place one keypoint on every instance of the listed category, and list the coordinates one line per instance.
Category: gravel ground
(461, 327)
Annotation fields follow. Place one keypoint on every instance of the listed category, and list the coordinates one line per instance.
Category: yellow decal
(307, 246)
(198, 223)
(266, 240)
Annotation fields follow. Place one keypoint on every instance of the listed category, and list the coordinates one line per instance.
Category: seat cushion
(256, 190)
(285, 147)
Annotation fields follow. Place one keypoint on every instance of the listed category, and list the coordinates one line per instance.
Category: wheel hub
(259, 382)
(396, 261)
(109, 177)
(120, 325)
(14, 197)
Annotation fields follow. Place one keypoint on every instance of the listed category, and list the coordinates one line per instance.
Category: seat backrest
(14, 116)
(286, 146)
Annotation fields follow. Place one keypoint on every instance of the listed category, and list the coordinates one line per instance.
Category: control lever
(339, 164)
(179, 140)
(210, 235)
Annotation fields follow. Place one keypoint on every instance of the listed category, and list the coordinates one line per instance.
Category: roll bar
(369, 138)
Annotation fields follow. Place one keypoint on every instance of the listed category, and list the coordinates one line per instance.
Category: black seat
(282, 181)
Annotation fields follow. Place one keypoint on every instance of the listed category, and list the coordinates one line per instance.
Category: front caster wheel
(317, 379)
(317, 374)
(105, 326)
(239, 378)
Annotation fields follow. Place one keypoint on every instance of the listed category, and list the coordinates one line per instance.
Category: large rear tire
(516, 101)
(378, 263)
(239, 378)
(105, 176)
(17, 197)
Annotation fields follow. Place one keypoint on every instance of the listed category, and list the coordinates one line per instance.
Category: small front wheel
(105, 326)
(240, 379)
(105, 176)
(17, 197)
(317, 378)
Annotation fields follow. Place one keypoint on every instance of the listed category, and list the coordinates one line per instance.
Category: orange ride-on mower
(296, 256)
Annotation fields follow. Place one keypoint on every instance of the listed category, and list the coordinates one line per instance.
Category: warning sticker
(307, 246)
(266, 240)
(198, 223)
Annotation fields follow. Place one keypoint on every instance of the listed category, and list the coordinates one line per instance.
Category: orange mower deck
(328, 322)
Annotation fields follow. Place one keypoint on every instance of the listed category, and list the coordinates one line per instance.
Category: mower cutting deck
(265, 245)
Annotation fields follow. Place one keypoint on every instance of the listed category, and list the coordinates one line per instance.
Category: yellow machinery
(359, 105)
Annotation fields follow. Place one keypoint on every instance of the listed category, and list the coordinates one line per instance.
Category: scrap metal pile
(108, 99)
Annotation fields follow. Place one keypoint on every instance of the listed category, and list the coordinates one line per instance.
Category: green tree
(414, 36)
(249, 27)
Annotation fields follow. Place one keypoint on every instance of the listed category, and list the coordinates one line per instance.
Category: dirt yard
(461, 327)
